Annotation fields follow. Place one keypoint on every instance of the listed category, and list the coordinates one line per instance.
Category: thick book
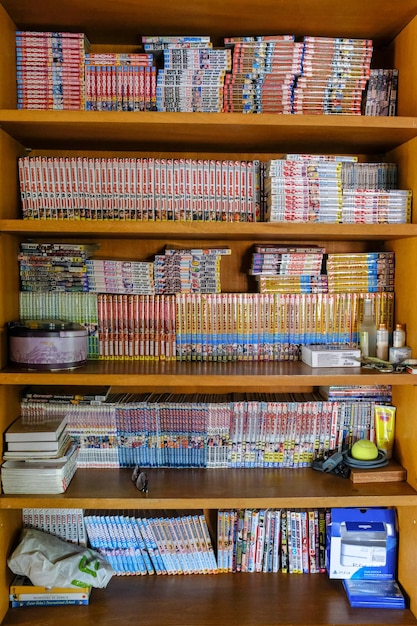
(38, 445)
(22, 586)
(41, 455)
(22, 431)
(74, 395)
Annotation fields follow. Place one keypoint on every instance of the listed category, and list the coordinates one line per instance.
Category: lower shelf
(215, 600)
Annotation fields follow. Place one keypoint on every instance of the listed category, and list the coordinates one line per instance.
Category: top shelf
(218, 18)
(206, 132)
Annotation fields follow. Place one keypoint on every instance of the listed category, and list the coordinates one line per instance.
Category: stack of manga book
(50, 70)
(178, 543)
(54, 266)
(291, 541)
(264, 72)
(288, 269)
(335, 72)
(332, 189)
(358, 272)
(120, 277)
(193, 72)
(120, 82)
(189, 271)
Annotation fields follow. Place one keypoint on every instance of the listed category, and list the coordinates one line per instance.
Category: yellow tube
(384, 428)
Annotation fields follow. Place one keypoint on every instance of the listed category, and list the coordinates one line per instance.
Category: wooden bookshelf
(264, 600)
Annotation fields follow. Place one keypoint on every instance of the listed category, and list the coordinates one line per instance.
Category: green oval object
(364, 450)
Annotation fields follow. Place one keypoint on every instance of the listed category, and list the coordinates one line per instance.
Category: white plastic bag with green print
(52, 562)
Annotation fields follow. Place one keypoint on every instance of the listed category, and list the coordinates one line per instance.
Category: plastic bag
(49, 561)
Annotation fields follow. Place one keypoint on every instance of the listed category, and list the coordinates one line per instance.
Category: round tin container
(47, 344)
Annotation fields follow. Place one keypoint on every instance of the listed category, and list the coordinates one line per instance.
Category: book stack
(370, 206)
(120, 82)
(23, 593)
(54, 266)
(91, 421)
(335, 73)
(304, 188)
(50, 70)
(361, 272)
(376, 393)
(382, 92)
(332, 188)
(179, 544)
(193, 73)
(264, 71)
(39, 458)
(292, 541)
(120, 277)
(288, 269)
(194, 270)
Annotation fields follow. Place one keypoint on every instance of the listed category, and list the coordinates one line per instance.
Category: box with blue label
(362, 544)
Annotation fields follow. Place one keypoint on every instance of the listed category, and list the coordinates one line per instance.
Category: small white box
(330, 356)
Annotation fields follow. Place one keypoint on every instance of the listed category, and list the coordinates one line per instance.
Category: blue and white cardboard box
(362, 544)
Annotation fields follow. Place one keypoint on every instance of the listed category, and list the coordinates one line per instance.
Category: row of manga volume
(274, 74)
(212, 431)
(139, 189)
(216, 327)
(297, 187)
(292, 541)
(174, 543)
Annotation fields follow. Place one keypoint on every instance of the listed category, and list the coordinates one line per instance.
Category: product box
(375, 594)
(362, 544)
(330, 356)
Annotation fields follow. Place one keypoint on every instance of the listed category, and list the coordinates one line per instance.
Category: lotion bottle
(367, 330)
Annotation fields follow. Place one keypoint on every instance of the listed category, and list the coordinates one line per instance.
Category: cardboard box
(327, 356)
(362, 544)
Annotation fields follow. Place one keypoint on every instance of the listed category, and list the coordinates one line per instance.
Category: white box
(329, 356)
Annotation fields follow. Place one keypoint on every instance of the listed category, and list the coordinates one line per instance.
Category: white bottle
(382, 344)
(367, 330)
(398, 336)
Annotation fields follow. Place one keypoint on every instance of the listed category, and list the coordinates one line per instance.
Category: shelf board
(208, 376)
(226, 231)
(217, 18)
(205, 132)
(210, 600)
(216, 488)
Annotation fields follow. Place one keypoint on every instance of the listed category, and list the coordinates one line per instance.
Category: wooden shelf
(239, 231)
(206, 132)
(217, 488)
(220, 18)
(213, 600)
(260, 376)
